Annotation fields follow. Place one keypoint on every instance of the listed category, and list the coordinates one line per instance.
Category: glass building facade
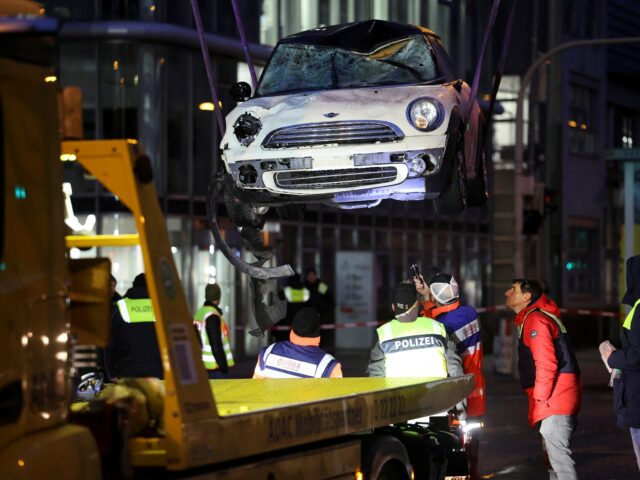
(153, 87)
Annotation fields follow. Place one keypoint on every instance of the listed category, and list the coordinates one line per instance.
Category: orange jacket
(554, 393)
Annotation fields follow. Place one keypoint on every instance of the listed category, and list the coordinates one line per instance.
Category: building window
(581, 121)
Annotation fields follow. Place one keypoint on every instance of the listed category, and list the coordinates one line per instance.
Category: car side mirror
(240, 91)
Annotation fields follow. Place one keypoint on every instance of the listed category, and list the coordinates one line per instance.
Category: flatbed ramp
(283, 413)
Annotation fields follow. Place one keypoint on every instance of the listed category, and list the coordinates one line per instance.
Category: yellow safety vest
(207, 353)
(629, 317)
(136, 310)
(414, 349)
(296, 295)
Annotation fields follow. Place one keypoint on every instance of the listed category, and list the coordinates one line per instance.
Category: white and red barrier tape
(490, 309)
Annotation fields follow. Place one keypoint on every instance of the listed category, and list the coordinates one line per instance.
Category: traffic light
(551, 202)
(531, 221)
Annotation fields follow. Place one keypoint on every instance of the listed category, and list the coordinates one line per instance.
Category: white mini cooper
(351, 115)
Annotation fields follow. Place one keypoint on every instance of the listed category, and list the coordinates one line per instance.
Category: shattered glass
(297, 67)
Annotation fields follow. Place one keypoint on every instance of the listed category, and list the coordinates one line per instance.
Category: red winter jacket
(553, 393)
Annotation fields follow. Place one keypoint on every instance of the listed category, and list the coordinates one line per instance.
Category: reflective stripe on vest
(414, 349)
(322, 288)
(207, 353)
(136, 310)
(287, 360)
(629, 317)
(296, 295)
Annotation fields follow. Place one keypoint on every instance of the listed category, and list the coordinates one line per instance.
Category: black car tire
(477, 188)
(451, 201)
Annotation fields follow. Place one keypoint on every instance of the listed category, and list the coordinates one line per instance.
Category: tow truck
(227, 429)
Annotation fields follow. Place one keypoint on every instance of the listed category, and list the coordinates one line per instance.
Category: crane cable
(212, 194)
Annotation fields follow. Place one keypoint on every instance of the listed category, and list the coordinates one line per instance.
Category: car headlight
(246, 128)
(425, 114)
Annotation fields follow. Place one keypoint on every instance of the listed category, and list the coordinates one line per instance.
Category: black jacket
(322, 302)
(133, 350)
(626, 389)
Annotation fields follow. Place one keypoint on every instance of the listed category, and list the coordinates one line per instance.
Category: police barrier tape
(491, 309)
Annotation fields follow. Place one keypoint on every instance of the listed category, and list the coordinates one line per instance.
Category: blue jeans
(556, 431)
(635, 438)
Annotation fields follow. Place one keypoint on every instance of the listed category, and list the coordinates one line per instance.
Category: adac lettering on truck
(315, 421)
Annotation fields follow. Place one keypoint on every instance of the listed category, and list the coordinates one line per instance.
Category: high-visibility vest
(288, 360)
(323, 288)
(414, 349)
(136, 310)
(629, 318)
(207, 353)
(296, 295)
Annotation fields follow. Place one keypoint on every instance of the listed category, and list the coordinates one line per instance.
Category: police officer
(409, 345)
(301, 355)
(463, 330)
(214, 334)
(133, 350)
(626, 360)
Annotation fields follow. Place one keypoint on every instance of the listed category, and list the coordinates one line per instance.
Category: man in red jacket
(549, 372)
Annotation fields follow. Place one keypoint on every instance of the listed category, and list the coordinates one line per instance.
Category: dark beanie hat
(140, 281)
(306, 323)
(404, 297)
(212, 292)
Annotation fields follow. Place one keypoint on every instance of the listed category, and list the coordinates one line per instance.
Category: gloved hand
(605, 350)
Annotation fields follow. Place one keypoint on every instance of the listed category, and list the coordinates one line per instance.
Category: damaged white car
(351, 115)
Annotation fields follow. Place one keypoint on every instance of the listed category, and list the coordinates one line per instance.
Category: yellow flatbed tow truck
(265, 429)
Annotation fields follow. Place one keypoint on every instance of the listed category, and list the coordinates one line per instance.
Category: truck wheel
(384, 457)
(458, 464)
(451, 200)
(392, 471)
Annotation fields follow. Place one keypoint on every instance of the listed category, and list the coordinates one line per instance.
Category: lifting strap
(245, 44)
(485, 41)
(498, 75)
(242, 266)
(503, 56)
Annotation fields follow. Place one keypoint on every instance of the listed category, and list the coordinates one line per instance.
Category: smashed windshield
(297, 67)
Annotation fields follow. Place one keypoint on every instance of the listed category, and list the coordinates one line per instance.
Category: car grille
(340, 133)
(328, 179)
